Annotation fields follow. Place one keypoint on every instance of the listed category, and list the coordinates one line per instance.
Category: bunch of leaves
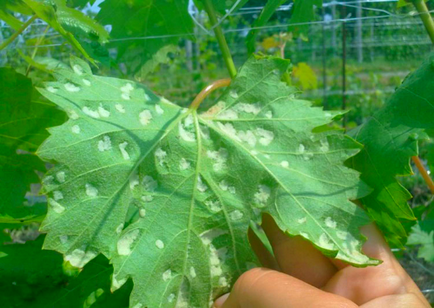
(23, 120)
(394, 132)
(177, 212)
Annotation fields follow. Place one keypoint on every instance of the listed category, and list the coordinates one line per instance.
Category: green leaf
(17, 173)
(268, 11)
(402, 3)
(8, 18)
(306, 76)
(302, 13)
(390, 139)
(425, 239)
(24, 279)
(23, 123)
(150, 24)
(48, 11)
(80, 24)
(168, 194)
(35, 278)
(79, 3)
(160, 57)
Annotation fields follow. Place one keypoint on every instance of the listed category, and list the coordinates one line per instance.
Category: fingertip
(219, 302)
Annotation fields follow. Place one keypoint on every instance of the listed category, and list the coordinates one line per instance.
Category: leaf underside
(168, 194)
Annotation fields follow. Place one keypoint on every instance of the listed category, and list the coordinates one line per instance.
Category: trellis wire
(268, 27)
(193, 12)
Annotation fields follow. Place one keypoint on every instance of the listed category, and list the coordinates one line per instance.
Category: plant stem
(41, 38)
(424, 173)
(15, 35)
(208, 90)
(209, 8)
(426, 17)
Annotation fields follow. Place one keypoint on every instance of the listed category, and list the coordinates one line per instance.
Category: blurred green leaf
(80, 24)
(306, 76)
(303, 12)
(140, 28)
(32, 277)
(8, 18)
(268, 11)
(160, 57)
(23, 121)
(425, 240)
(68, 22)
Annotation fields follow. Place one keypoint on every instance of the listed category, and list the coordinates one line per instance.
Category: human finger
(298, 257)
(265, 257)
(362, 285)
(265, 288)
(397, 301)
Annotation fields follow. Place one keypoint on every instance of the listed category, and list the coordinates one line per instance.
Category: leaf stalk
(418, 162)
(227, 56)
(208, 90)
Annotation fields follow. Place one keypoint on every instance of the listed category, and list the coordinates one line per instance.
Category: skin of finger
(397, 301)
(265, 257)
(264, 288)
(298, 257)
(362, 285)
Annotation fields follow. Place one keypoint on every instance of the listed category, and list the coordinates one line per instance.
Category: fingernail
(220, 301)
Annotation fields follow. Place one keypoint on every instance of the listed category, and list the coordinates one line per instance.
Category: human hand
(308, 279)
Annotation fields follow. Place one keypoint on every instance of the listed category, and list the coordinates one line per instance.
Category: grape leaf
(168, 194)
(23, 279)
(61, 18)
(78, 23)
(268, 11)
(302, 13)
(160, 57)
(425, 239)
(79, 3)
(390, 139)
(305, 75)
(32, 277)
(23, 121)
(150, 24)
